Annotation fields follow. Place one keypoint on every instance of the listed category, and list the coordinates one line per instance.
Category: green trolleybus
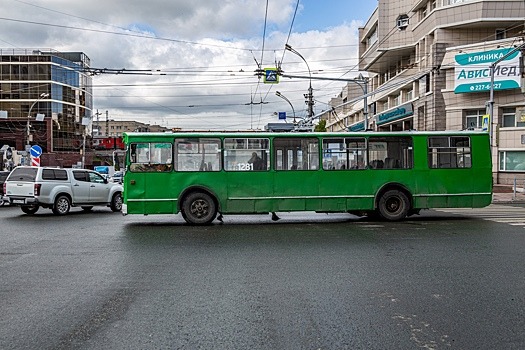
(390, 175)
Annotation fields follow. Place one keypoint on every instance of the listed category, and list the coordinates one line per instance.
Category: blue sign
(485, 122)
(395, 114)
(271, 76)
(357, 126)
(282, 115)
(36, 151)
(102, 169)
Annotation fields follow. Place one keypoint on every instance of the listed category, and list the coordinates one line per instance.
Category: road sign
(36, 151)
(282, 115)
(485, 122)
(271, 76)
(35, 161)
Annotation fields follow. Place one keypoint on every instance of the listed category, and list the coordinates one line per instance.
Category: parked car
(3, 176)
(60, 189)
(117, 176)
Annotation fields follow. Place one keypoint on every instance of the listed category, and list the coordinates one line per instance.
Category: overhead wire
(141, 35)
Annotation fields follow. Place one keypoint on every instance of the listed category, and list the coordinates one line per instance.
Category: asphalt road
(309, 281)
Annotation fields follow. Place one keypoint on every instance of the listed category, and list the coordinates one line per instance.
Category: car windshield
(23, 174)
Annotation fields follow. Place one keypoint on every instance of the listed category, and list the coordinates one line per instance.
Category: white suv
(60, 189)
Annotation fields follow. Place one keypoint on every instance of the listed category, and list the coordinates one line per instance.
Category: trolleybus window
(198, 154)
(390, 152)
(150, 157)
(449, 152)
(344, 153)
(242, 154)
(296, 153)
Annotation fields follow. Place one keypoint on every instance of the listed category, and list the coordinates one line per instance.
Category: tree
(321, 127)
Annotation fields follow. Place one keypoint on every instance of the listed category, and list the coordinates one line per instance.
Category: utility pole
(310, 101)
(361, 81)
(107, 124)
(310, 95)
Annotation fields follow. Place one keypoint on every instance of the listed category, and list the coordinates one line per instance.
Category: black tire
(393, 205)
(199, 208)
(87, 208)
(29, 209)
(62, 205)
(116, 202)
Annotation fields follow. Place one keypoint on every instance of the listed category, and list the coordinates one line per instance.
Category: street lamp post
(310, 96)
(278, 94)
(363, 84)
(28, 127)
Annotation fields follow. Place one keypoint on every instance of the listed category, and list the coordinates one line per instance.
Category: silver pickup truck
(60, 189)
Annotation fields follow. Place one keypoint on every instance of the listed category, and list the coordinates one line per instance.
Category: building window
(452, 2)
(410, 95)
(474, 119)
(500, 34)
(512, 161)
(422, 14)
(372, 38)
(397, 100)
(512, 118)
(402, 21)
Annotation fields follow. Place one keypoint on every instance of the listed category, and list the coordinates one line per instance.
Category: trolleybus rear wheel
(393, 205)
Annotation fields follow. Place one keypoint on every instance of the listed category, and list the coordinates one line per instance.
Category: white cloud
(207, 86)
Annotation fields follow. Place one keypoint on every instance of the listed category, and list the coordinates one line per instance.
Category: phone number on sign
(483, 87)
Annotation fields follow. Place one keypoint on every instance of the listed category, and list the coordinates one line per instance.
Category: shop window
(512, 161)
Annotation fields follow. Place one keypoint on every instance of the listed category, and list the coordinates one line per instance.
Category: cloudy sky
(202, 54)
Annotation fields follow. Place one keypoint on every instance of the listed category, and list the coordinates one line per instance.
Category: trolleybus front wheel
(199, 208)
(393, 205)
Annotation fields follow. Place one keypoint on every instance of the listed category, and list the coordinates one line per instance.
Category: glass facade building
(46, 82)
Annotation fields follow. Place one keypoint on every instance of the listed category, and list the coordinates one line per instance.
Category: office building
(427, 66)
(45, 99)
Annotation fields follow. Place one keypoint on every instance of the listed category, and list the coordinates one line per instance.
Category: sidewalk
(505, 194)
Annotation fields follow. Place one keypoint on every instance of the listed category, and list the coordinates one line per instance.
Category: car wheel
(116, 202)
(199, 208)
(62, 205)
(29, 209)
(393, 205)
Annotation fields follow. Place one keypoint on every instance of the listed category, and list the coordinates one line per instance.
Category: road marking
(495, 212)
